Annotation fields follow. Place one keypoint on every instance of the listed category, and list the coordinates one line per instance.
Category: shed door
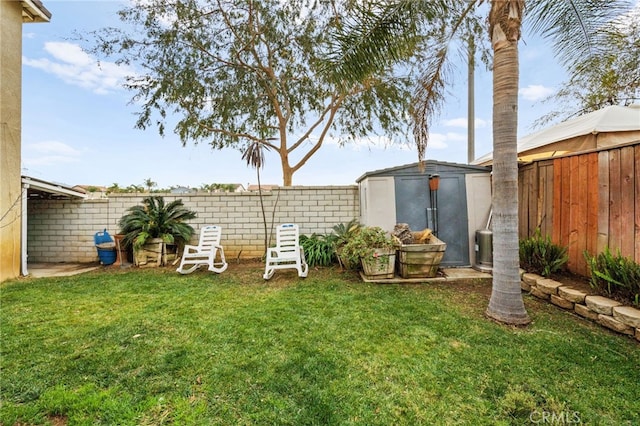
(413, 202)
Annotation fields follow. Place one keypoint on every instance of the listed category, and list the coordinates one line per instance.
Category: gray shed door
(413, 202)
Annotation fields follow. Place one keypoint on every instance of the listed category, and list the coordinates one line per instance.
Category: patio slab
(42, 270)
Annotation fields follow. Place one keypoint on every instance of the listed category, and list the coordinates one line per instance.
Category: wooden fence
(584, 201)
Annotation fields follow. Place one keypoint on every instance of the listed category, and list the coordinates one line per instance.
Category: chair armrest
(188, 248)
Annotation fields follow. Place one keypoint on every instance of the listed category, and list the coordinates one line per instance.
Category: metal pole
(471, 103)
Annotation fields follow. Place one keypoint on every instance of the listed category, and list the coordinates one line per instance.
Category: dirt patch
(576, 281)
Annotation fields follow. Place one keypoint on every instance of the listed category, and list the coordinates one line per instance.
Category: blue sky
(78, 125)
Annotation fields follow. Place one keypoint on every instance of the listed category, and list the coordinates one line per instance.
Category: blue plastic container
(106, 247)
(107, 256)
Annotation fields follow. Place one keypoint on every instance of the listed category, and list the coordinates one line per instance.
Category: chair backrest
(287, 237)
(209, 236)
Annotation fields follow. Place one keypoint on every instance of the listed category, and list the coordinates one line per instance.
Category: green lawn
(153, 347)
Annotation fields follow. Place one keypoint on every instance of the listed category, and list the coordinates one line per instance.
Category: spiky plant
(155, 219)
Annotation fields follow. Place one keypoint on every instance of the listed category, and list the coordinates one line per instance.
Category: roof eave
(34, 11)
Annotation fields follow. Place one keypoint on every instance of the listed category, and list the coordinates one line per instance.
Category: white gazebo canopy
(607, 127)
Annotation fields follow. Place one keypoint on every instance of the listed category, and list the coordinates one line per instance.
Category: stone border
(606, 312)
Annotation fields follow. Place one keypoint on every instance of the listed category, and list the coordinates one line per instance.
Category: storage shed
(460, 205)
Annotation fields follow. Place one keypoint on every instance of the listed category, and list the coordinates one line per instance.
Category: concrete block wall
(63, 230)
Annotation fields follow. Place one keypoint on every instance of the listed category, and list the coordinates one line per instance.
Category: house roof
(34, 11)
(264, 187)
(606, 120)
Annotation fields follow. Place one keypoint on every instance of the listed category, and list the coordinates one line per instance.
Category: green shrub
(541, 256)
(319, 250)
(342, 232)
(615, 275)
(362, 244)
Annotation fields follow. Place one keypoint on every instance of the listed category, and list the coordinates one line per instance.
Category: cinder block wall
(63, 230)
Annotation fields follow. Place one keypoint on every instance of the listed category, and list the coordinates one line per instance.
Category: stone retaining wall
(606, 312)
(63, 230)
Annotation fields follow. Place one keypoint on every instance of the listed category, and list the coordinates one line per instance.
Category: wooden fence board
(524, 191)
(581, 204)
(557, 202)
(636, 219)
(545, 190)
(603, 201)
(615, 207)
(627, 210)
(574, 211)
(565, 205)
(533, 197)
(592, 203)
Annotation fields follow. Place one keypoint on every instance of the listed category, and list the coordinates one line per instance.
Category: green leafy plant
(155, 219)
(539, 255)
(362, 245)
(615, 275)
(319, 250)
(342, 232)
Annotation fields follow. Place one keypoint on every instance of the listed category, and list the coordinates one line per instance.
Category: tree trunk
(506, 304)
(287, 171)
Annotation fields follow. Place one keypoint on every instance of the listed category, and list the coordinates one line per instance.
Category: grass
(149, 347)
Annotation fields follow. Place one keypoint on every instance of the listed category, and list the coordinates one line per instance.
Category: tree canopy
(234, 72)
(611, 77)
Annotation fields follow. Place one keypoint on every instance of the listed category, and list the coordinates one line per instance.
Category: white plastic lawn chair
(287, 254)
(204, 253)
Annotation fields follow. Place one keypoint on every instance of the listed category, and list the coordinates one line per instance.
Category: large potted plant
(148, 228)
(374, 249)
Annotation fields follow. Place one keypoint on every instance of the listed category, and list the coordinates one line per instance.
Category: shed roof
(426, 167)
(37, 188)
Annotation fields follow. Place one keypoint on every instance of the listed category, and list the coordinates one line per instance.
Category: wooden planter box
(151, 254)
(420, 260)
(382, 266)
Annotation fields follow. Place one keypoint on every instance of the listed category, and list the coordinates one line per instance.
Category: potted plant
(149, 227)
(374, 249)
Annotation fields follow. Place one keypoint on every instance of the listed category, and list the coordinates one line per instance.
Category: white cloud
(74, 66)
(462, 122)
(48, 153)
(535, 92)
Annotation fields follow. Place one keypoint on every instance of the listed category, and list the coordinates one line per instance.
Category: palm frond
(429, 95)
(378, 35)
(575, 27)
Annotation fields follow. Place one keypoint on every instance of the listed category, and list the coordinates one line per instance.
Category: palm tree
(390, 31)
(149, 184)
(154, 219)
(114, 188)
(254, 156)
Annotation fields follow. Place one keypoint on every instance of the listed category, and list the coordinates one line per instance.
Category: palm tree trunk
(506, 304)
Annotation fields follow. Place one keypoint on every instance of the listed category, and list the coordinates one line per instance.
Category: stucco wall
(63, 230)
(10, 125)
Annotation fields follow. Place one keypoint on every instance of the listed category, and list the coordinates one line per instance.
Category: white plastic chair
(205, 252)
(287, 254)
